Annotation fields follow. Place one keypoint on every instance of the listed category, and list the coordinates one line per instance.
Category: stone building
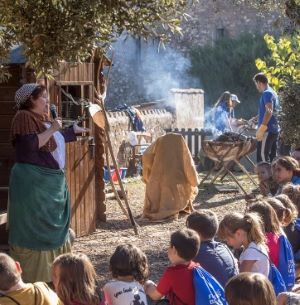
(141, 72)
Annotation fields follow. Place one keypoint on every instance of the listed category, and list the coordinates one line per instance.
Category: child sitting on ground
(286, 170)
(74, 280)
(280, 249)
(129, 268)
(246, 231)
(287, 214)
(293, 192)
(213, 256)
(267, 185)
(272, 228)
(177, 280)
(14, 291)
(250, 288)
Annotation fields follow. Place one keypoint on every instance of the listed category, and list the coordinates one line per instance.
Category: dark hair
(129, 260)
(250, 288)
(293, 192)
(268, 216)
(9, 276)
(204, 222)
(260, 77)
(225, 96)
(36, 93)
(186, 242)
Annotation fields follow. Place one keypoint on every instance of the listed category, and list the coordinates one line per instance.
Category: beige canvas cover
(170, 176)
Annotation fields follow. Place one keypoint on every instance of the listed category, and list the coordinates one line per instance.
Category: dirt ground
(153, 238)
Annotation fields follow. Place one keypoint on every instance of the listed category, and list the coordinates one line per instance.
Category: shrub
(230, 65)
(283, 70)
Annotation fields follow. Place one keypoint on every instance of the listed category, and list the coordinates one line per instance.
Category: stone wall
(211, 20)
(155, 122)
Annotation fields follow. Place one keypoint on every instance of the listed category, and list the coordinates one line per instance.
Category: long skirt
(39, 219)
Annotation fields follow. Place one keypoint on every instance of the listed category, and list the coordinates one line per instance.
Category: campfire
(229, 148)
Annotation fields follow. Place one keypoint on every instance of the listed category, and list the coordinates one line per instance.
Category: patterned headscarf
(24, 93)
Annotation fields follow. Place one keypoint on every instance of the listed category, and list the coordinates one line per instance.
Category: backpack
(297, 224)
(286, 262)
(208, 291)
(274, 276)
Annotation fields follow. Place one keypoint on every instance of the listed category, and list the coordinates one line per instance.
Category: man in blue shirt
(268, 128)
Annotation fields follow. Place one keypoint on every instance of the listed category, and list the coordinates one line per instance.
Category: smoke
(143, 71)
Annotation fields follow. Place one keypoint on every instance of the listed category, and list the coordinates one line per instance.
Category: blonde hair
(291, 212)
(250, 288)
(250, 223)
(268, 216)
(77, 279)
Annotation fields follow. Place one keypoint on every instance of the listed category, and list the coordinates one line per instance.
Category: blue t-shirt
(269, 96)
(217, 259)
(222, 114)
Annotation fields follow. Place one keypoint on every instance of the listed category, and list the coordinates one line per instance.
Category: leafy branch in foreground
(52, 30)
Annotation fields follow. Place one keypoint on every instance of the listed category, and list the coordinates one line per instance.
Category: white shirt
(124, 293)
(262, 262)
(60, 152)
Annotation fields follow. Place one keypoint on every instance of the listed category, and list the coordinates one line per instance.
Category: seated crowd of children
(252, 261)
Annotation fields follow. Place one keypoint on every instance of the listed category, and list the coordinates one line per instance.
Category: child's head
(263, 170)
(250, 288)
(74, 279)
(184, 245)
(293, 192)
(10, 272)
(268, 215)
(290, 212)
(129, 260)
(285, 168)
(204, 222)
(238, 229)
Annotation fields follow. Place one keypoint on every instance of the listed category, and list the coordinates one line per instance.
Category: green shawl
(39, 207)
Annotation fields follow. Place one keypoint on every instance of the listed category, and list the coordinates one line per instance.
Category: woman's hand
(78, 129)
(56, 125)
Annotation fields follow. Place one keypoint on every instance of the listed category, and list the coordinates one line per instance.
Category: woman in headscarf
(39, 203)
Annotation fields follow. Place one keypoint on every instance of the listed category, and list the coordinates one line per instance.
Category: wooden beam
(73, 83)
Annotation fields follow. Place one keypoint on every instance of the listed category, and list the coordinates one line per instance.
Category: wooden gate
(80, 173)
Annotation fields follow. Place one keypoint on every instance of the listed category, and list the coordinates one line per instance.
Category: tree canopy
(55, 30)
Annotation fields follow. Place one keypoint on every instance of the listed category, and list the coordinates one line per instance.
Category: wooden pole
(112, 183)
(115, 165)
(108, 147)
